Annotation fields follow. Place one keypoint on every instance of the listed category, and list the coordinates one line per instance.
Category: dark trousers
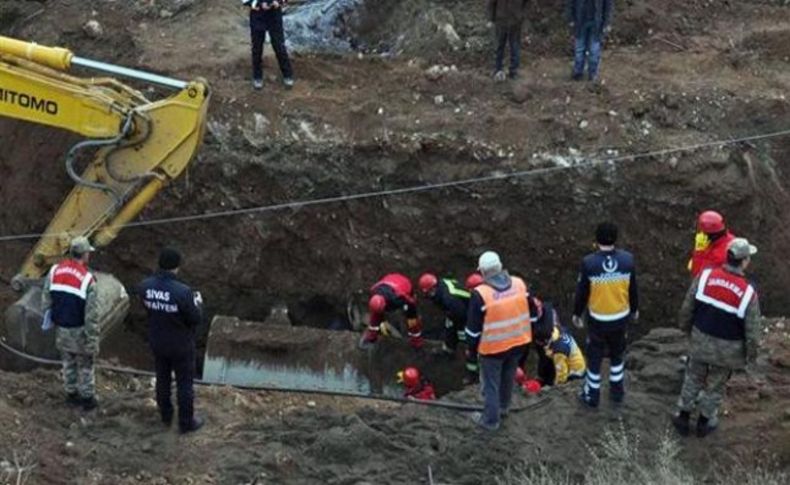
(587, 48)
(508, 36)
(454, 332)
(546, 370)
(498, 373)
(272, 23)
(599, 340)
(183, 365)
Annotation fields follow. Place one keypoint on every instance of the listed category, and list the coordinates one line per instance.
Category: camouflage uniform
(712, 359)
(78, 346)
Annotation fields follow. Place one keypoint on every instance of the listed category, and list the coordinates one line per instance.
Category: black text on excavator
(137, 146)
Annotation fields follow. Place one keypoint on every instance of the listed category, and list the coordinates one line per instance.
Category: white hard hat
(489, 263)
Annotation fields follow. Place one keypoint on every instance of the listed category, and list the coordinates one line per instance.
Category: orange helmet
(411, 377)
(710, 222)
(377, 304)
(427, 282)
(473, 281)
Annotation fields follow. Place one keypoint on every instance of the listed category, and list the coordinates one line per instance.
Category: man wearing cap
(70, 296)
(607, 297)
(498, 329)
(721, 313)
(174, 313)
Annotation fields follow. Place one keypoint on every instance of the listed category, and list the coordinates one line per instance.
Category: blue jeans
(499, 372)
(588, 40)
(508, 37)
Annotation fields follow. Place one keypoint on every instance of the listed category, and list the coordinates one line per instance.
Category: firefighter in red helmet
(710, 243)
(415, 385)
(393, 292)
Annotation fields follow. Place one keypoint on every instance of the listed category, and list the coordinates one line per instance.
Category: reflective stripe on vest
(728, 292)
(455, 290)
(70, 277)
(506, 323)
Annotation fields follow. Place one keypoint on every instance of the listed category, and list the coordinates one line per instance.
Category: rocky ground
(414, 103)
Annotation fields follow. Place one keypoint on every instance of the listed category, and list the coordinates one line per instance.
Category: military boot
(196, 424)
(73, 399)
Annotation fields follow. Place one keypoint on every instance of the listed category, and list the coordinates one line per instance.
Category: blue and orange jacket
(607, 288)
(566, 355)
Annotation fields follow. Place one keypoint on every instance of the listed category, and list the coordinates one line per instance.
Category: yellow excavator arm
(137, 146)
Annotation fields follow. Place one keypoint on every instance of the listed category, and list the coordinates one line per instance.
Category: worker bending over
(560, 358)
(391, 293)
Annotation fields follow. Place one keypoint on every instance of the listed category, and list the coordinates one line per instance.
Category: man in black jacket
(267, 16)
(508, 17)
(589, 20)
(174, 313)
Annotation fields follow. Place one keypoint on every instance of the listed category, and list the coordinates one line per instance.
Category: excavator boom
(134, 148)
(138, 145)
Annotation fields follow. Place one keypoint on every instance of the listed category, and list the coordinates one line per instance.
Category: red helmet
(532, 386)
(710, 222)
(427, 282)
(473, 281)
(411, 377)
(377, 304)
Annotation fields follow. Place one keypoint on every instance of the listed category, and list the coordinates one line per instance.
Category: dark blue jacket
(174, 313)
(579, 13)
(453, 299)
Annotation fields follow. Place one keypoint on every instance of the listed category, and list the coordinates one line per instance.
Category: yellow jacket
(568, 358)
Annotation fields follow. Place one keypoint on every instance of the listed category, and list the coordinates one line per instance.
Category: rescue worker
(453, 300)
(473, 281)
(71, 298)
(174, 313)
(710, 243)
(721, 313)
(607, 296)
(498, 329)
(560, 358)
(392, 292)
(267, 16)
(415, 385)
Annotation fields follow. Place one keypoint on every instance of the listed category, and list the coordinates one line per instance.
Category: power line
(589, 162)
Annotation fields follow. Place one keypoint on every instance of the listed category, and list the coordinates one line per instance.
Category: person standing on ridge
(606, 294)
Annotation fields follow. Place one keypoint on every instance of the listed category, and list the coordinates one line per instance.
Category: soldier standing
(71, 299)
(721, 312)
(174, 313)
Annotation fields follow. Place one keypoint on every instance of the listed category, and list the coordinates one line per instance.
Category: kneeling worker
(416, 386)
(559, 347)
(174, 313)
(453, 300)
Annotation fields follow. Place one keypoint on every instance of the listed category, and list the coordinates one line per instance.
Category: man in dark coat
(589, 20)
(508, 17)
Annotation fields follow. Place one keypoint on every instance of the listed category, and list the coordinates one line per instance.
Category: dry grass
(620, 459)
(18, 469)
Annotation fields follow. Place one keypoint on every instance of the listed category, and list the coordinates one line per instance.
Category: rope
(590, 162)
(455, 406)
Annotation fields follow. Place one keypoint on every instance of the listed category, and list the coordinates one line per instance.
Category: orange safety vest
(506, 324)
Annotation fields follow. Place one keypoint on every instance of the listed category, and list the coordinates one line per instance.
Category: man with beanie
(267, 16)
(174, 313)
(607, 296)
(70, 296)
(498, 329)
(721, 313)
